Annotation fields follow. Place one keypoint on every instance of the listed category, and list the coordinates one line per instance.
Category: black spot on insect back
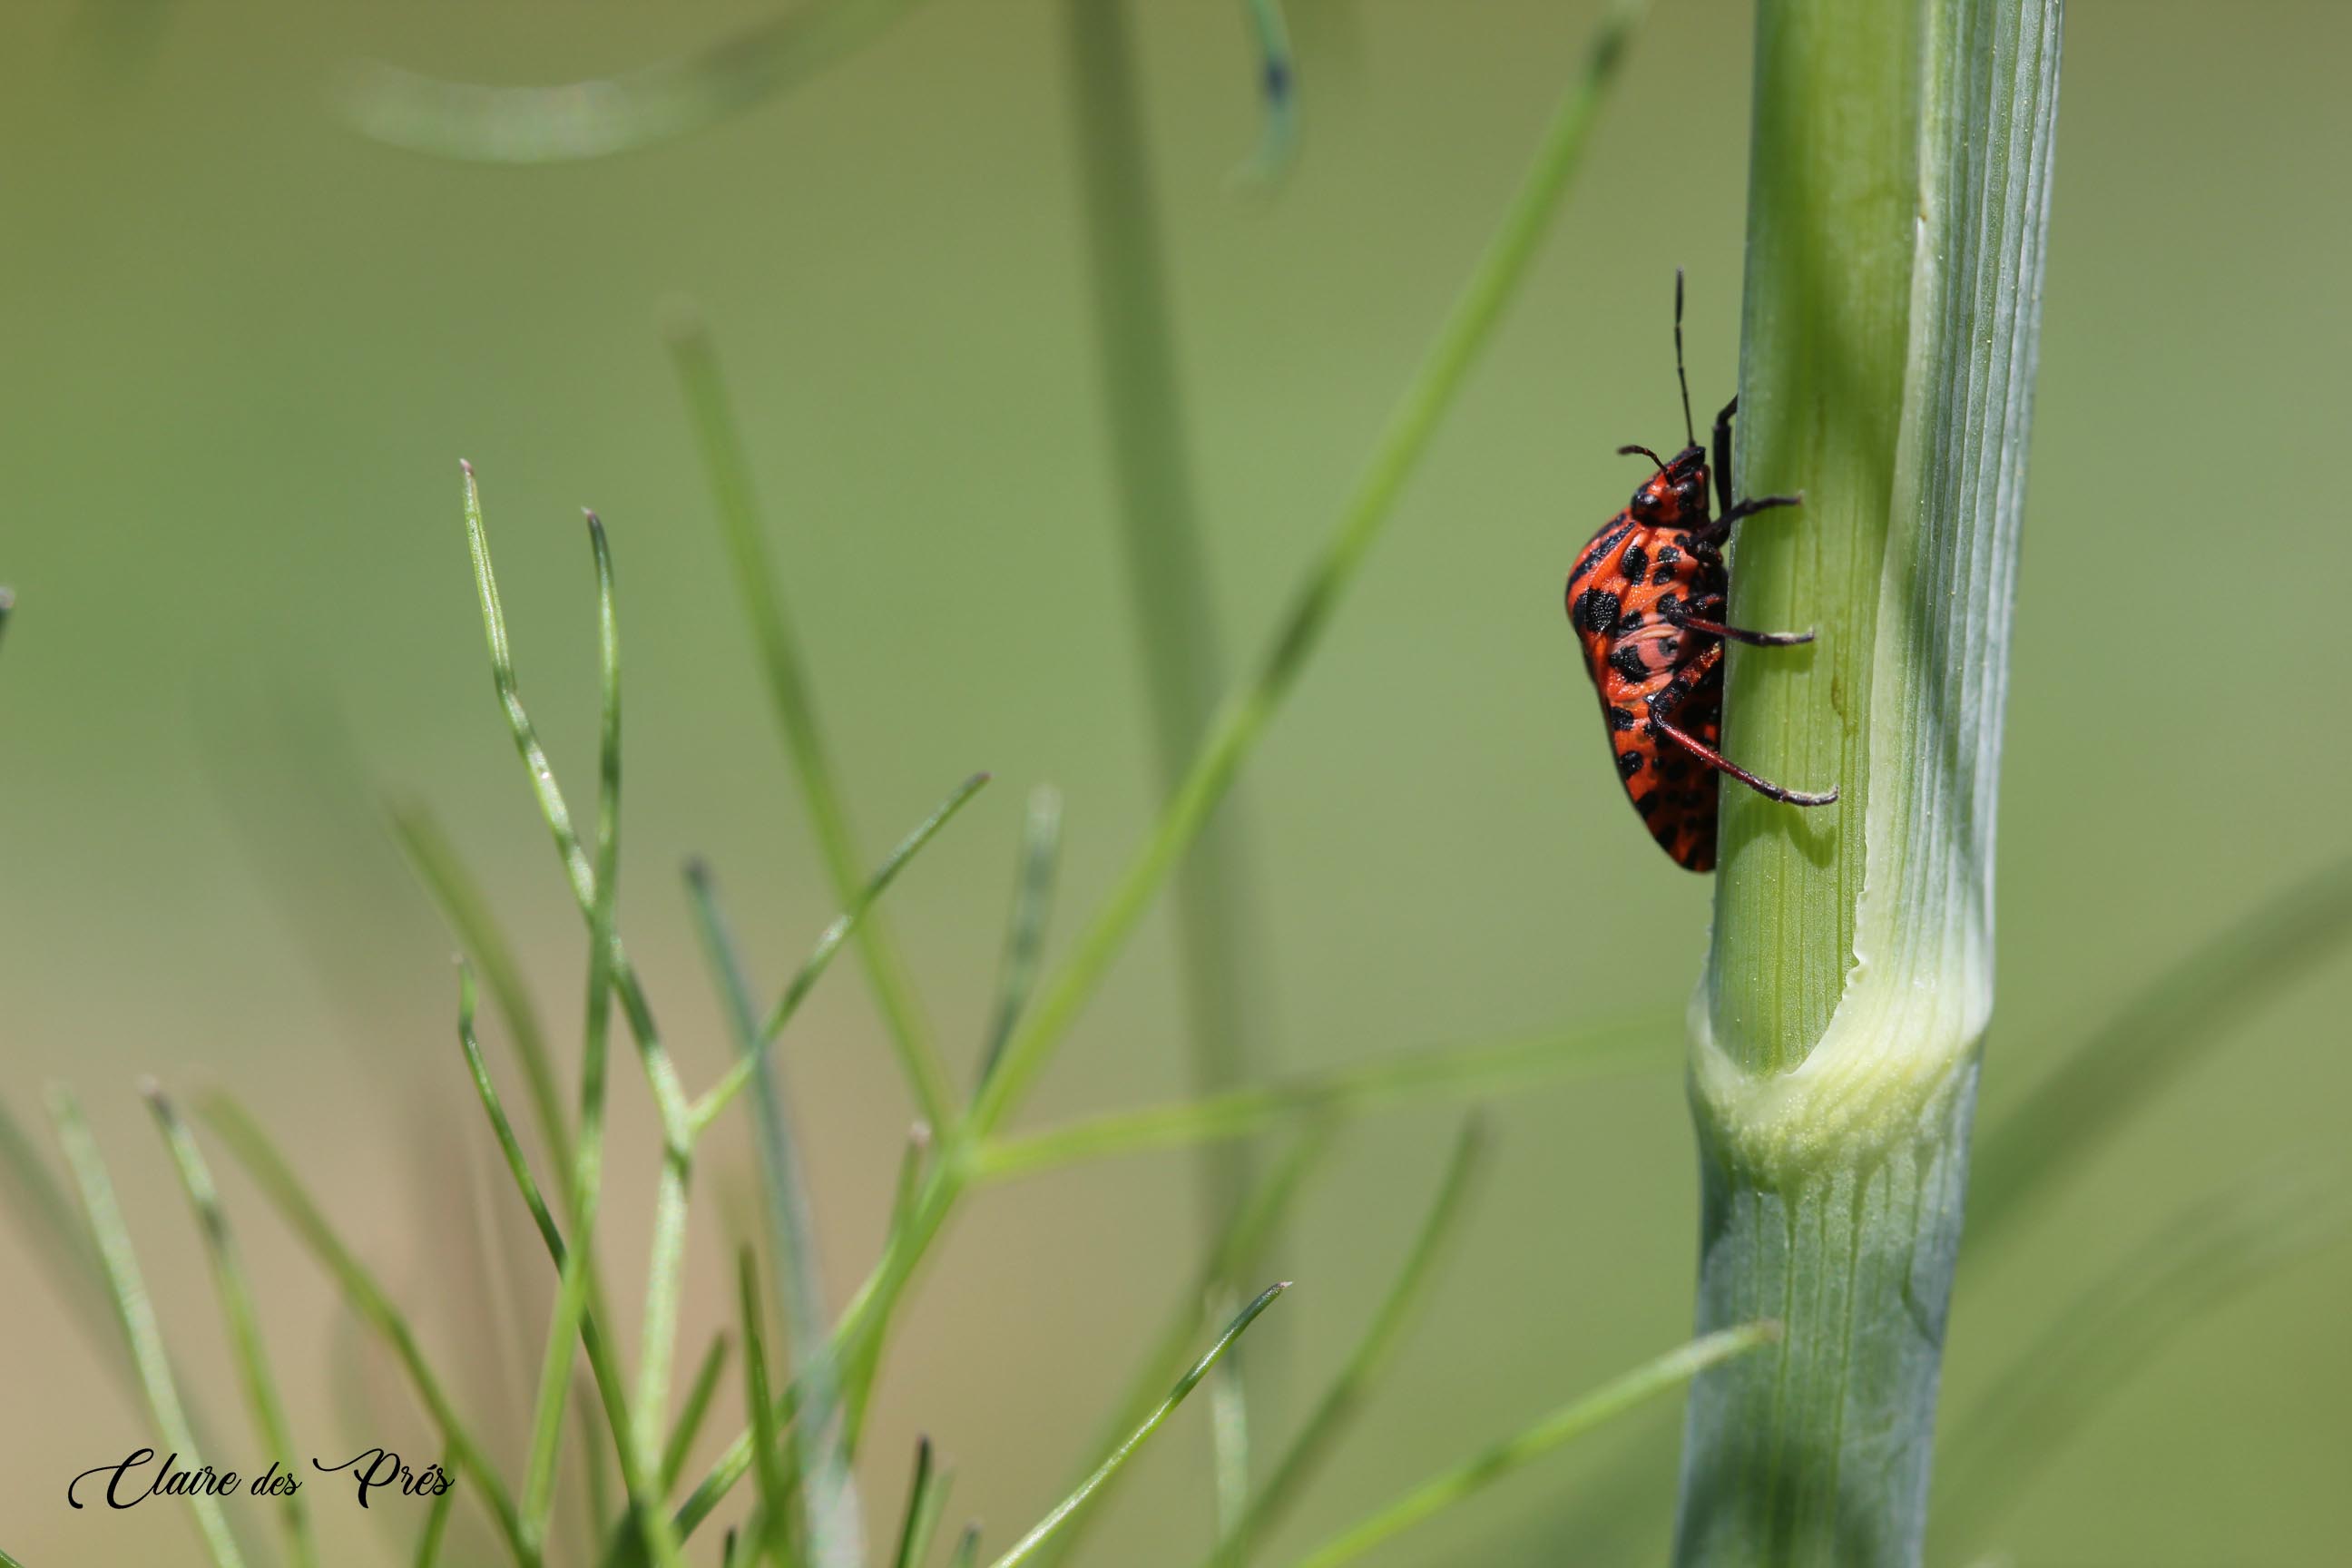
(1627, 763)
(1620, 719)
(1625, 659)
(1597, 610)
(1635, 563)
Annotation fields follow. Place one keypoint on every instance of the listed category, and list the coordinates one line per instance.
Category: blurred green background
(241, 350)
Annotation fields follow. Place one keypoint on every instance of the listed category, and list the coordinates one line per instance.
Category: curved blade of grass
(1457, 1072)
(771, 625)
(236, 1292)
(517, 1165)
(366, 1297)
(1373, 1353)
(8, 1562)
(767, 1445)
(1443, 1491)
(967, 1551)
(690, 1414)
(669, 1097)
(1024, 933)
(1445, 367)
(2154, 1037)
(601, 116)
(2196, 1260)
(134, 1310)
(1277, 144)
(747, 1062)
(1029, 1543)
(604, 1369)
(1261, 1212)
(436, 1520)
(1242, 720)
(459, 897)
(836, 1534)
(48, 1221)
(927, 1498)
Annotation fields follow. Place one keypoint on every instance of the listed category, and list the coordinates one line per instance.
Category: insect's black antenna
(1689, 432)
(1643, 451)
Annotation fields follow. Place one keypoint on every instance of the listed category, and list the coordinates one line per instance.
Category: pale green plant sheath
(134, 1312)
(234, 1289)
(1898, 205)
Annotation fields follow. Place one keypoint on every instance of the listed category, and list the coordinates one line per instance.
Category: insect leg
(1734, 634)
(1721, 763)
(1754, 639)
(1723, 455)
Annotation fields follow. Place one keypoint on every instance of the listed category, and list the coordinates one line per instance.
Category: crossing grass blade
(2150, 1041)
(436, 1522)
(1026, 1547)
(366, 1297)
(850, 920)
(771, 624)
(234, 1289)
(134, 1310)
(768, 1465)
(467, 910)
(927, 1498)
(835, 1536)
(1458, 1072)
(1024, 933)
(1474, 1475)
(967, 1550)
(1260, 1213)
(1373, 1353)
(570, 122)
(692, 1412)
(2196, 1260)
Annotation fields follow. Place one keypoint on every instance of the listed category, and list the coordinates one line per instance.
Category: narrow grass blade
(691, 1412)
(967, 1550)
(767, 1444)
(601, 116)
(134, 1312)
(1028, 1544)
(8, 1562)
(1373, 1354)
(1243, 719)
(1458, 1072)
(796, 708)
(366, 1297)
(1474, 1475)
(46, 1219)
(436, 1521)
(1262, 1211)
(7, 608)
(1277, 144)
(1024, 933)
(502, 1129)
(712, 1104)
(2149, 1042)
(661, 1076)
(2194, 1262)
(835, 1534)
(462, 905)
(927, 1498)
(234, 1290)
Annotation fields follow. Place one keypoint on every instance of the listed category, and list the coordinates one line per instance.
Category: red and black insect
(1646, 600)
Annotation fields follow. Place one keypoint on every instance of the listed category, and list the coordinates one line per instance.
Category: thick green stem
(1898, 208)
